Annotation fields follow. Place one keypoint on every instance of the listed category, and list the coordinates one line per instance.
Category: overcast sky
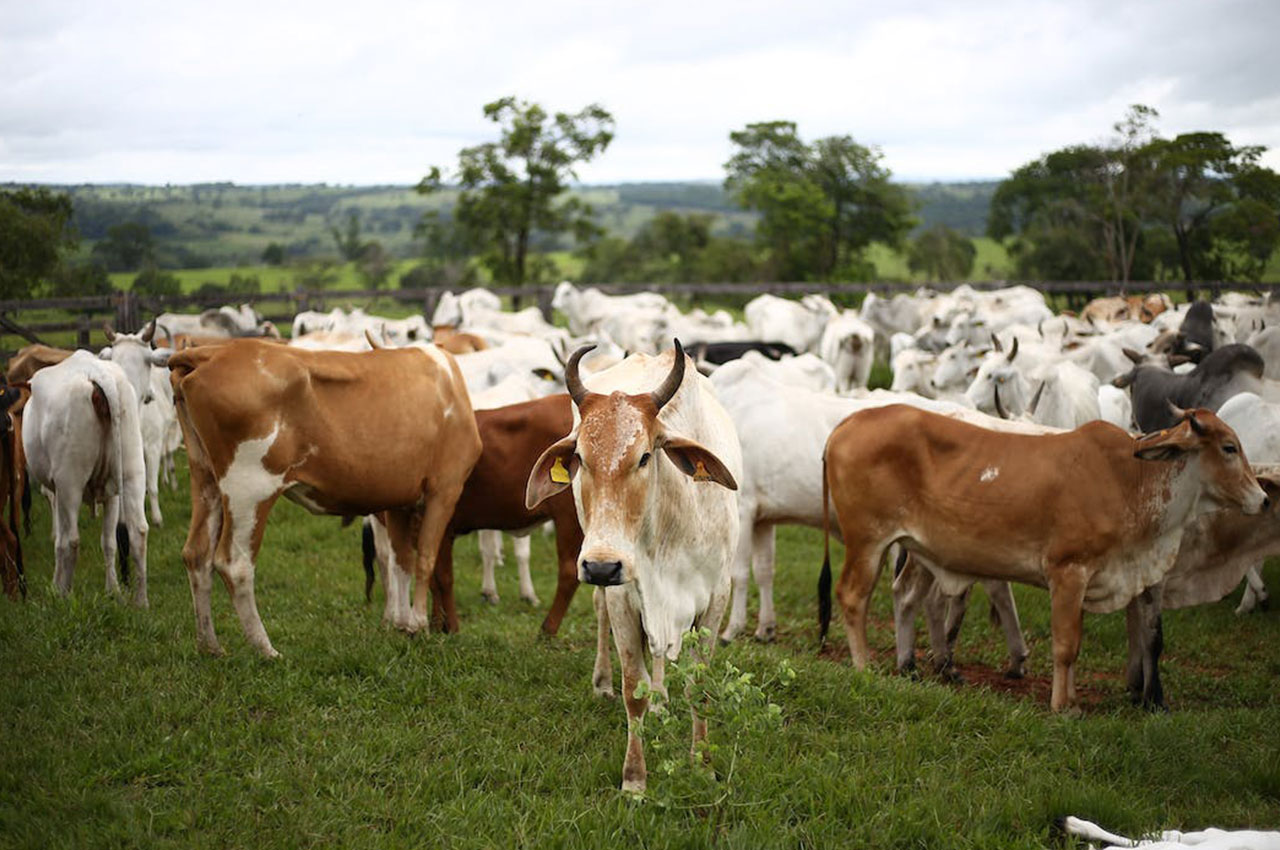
(155, 91)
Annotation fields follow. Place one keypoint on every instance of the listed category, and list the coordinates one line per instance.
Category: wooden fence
(21, 322)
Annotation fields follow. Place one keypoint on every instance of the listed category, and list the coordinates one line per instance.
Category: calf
(1092, 514)
(1223, 373)
(339, 433)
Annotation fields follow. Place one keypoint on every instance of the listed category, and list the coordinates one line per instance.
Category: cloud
(379, 91)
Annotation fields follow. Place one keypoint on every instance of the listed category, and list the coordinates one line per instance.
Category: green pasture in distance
(118, 733)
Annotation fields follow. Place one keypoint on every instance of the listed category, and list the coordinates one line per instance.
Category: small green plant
(734, 704)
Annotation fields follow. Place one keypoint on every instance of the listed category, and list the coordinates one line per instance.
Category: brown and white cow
(652, 462)
(337, 432)
(12, 579)
(1094, 515)
(514, 437)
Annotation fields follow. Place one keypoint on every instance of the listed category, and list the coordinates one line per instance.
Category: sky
(378, 91)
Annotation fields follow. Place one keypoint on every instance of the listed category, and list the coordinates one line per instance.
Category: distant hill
(223, 224)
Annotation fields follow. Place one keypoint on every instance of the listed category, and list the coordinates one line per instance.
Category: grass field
(118, 734)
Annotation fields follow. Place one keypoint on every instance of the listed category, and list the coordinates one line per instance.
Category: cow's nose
(602, 573)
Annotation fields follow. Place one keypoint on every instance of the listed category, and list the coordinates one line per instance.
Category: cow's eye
(1229, 449)
(644, 460)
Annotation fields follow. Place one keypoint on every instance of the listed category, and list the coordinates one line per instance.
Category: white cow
(1207, 839)
(221, 322)
(159, 424)
(586, 308)
(653, 461)
(83, 442)
(1257, 424)
(799, 324)
(848, 344)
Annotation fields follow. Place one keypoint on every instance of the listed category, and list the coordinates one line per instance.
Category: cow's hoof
(490, 596)
(532, 600)
(604, 691)
(1014, 674)
(766, 634)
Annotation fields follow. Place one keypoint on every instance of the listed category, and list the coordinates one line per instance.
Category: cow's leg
(1066, 602)
(133, 515)
(602, 672)
(862, 563)
(197, 552)
(444, 607)
(764, 551)
(701, 650)
(442, 496)
(628, 639)
(521, 545)
(490, 542)
(400, 532)
(235, 557)
(1004, 609)
(568, 544)
(110, 519)
(1255, 592)
(151, 457)
(911, 584)
(66, 535)
(1146, 643)
(740, 575)
(945, 615)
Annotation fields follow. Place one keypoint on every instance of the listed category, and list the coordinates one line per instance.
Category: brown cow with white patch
(1094, 515)
(337, 432)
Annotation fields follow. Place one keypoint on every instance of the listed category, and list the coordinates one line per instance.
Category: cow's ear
(1124, 380)
(553, 472)
(1169, 444)
(160, 356)
(697, 462)
(105, 354)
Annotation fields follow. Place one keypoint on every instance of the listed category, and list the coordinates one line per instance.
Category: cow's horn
(149, 332)
(1013, 352)
(109, 332)
(995, 343)
(373, 342)
(1035, 400)
(675, 377)
(1178, 412)
(572, 382)
(999, 407)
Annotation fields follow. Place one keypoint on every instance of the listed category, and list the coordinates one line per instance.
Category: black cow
(720, 353)
(1232, 369)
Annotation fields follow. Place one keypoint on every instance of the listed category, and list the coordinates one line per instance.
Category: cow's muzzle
(602, 573)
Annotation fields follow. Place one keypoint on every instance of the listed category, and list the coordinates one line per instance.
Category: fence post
(544, 302)
(82, 332)
(430, 297)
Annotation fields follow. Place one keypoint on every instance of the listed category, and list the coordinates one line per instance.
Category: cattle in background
(653, 473)
(1223, 373)
(1266, 341)
(1092, 514)
(848, 344)
(586, 309)
(225, 322)
(1172, 839)
(339, 433)
(799, 324)
(1130, 308)
(13, 580)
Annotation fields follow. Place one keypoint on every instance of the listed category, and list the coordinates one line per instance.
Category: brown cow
(514, 438)
(455, 341)
(12, 579)
(1123, 308)
(337, 432)
(1093, 514)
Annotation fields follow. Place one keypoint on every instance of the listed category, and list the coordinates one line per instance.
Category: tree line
(1138, 206)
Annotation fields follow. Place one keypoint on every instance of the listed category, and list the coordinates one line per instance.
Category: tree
(350, 245)
(74, 280)
(273, 254)
(941, 254)
(35, 228)
(374, 264)
(128, 246)
(1141, 205)
(153, 281)
(821, 205)
(669, 248)
(511, 188)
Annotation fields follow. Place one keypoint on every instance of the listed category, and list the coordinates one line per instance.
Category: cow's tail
(11, 474)
(107, 407)
(26, 503)
(369, 551)
(824, 578)
(122, 551)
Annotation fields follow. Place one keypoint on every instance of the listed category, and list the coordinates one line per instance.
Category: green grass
(118, 733)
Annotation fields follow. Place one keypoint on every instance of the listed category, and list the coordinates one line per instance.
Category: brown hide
(455, 341)
(1072, 512)
(514, 437)
(388, 430)
(12, 580)
(32, 359)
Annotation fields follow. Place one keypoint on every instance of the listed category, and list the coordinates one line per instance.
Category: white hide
(799, 324)
(848, 345)
(71, 455)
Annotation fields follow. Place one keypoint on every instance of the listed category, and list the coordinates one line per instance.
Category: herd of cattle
(666, 446)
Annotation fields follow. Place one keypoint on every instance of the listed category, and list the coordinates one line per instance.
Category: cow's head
(1227, 478)
(135, 354)
(618, 460)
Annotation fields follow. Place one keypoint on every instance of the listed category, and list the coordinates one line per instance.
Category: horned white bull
(654, 473)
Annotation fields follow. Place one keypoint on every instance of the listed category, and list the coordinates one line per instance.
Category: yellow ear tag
(559, 474)
(700, 473)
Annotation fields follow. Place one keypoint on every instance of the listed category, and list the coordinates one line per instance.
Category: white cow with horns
(654, 474)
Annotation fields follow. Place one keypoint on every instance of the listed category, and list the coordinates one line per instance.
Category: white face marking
(991, 473)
